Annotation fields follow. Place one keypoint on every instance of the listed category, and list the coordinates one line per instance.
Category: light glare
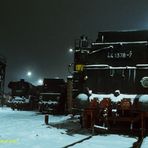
(40, 81)
(70, 50)
(29, 73)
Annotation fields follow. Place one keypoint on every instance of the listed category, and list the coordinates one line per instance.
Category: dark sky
(36, 34)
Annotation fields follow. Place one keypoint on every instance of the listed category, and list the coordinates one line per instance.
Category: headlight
(144, 82)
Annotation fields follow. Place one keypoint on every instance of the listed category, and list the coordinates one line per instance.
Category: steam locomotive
(24, 95)
(52, 96)
(111, 74)
(47, 98)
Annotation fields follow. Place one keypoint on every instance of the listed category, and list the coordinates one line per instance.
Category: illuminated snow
(83, 97)
(143, 98)
(27, 129)
(112, 97)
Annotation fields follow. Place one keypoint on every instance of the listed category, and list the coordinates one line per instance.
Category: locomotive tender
(116, 62)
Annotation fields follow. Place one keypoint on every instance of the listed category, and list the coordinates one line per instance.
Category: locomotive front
(116, 61)
(113, 71)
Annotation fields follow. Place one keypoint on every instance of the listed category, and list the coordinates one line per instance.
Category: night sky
(35, 35)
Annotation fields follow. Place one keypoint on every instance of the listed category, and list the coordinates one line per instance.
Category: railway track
(136, 144)
(74, 127)
(77, 142)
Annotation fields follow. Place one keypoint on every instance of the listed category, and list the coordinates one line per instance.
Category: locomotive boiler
(112, 73)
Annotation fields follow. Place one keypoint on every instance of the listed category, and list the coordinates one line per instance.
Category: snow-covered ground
(27, 129)
(145, 143)
(110, 141)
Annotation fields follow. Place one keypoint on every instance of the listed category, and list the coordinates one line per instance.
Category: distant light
(29, 73)
(70, 50)
(40, 82)
(90, 91)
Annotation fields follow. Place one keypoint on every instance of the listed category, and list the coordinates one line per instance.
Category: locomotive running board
(108, 43)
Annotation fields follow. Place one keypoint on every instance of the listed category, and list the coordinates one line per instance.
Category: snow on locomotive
(111, 75)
